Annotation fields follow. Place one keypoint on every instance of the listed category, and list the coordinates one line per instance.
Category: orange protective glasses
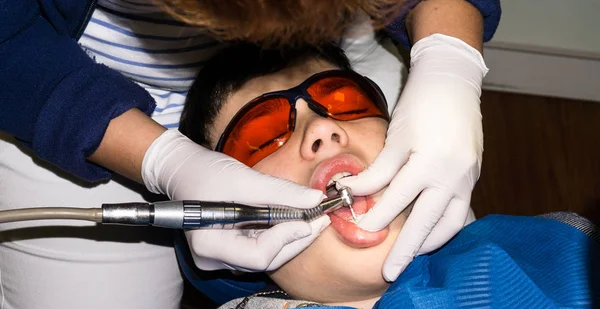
(266, 123)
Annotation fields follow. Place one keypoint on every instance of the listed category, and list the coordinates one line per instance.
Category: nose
(323, 137)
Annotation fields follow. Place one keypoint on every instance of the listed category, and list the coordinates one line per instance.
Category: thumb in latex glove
(176, 166)
(433, 150)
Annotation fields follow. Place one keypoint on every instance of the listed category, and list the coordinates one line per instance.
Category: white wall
(547, 47)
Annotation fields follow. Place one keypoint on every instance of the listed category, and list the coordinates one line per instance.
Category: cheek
(283, 164)
(368, 135)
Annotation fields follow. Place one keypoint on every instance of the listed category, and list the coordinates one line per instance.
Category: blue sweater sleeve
(490, 10)
(55, 99)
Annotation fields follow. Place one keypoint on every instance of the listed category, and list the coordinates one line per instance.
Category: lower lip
(349, 232)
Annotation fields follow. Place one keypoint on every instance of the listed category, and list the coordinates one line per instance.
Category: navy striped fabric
(143, 43)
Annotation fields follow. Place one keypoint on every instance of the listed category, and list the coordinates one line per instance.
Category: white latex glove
(433, 148)
(376, 57)
(183, 170)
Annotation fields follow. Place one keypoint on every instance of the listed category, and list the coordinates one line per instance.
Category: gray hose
(44, 213)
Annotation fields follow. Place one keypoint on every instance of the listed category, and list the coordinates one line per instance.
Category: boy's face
(344, 263)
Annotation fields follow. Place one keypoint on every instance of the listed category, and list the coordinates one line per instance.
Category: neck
(359, 304)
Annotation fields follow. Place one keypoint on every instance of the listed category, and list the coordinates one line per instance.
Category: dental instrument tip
(353, 214)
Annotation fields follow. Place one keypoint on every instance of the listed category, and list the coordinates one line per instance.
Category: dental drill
(188, 214)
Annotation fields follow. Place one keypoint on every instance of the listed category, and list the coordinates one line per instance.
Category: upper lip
(329, 167)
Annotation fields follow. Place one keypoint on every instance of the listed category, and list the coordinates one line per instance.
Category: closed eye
(268, 143)
(352, 112)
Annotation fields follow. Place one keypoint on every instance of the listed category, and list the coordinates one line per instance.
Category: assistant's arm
(434, 144)
(456, 18)
(421, 18)
(67, 108)
(57, 101)
(125, 143)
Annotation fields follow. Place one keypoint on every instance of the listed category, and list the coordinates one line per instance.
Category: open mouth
(331, 170)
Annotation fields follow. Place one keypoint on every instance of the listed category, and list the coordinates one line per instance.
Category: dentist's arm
(73, 112)
(169, 163)
(125, 142)
(456, 18)
(435, 142)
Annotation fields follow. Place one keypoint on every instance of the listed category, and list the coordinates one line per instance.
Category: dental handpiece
(216, 215)
(188, 214)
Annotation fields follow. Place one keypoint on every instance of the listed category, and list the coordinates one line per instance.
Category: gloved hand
(433, 148)
(181, 169)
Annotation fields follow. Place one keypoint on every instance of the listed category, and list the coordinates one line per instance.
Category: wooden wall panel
(540, 155)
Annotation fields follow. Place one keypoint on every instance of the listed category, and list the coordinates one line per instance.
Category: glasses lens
(260, 130)
(346, 99)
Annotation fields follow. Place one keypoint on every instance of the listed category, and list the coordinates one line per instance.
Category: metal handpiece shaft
(216, 215)
(235, 216)
(203, 215)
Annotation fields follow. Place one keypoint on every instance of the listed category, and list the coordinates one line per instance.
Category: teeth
(337, 177)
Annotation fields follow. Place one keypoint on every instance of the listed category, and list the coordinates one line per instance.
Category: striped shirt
(154, 50)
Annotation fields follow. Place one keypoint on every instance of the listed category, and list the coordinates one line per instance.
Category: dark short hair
(229, 70)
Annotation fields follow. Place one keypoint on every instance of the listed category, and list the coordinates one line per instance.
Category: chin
(364, 265)
(368, 275)
(332, 270)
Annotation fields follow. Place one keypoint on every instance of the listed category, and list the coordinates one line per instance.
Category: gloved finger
(176, 166)
(243, 184)
(451, 222)
(470, 216)
(378, 174)
(287, 253)
(194, 240)
(425, 214)
(293, 249)
(241, 251)
(273, 190)
(207, 264)
(403, 189)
